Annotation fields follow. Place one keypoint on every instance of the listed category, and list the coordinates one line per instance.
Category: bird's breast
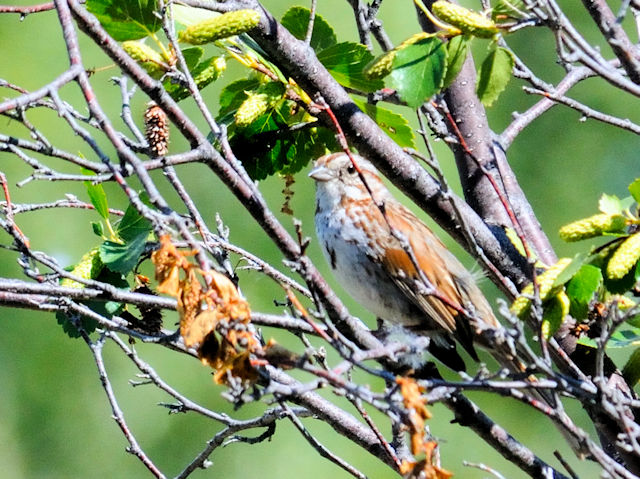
(347, 250)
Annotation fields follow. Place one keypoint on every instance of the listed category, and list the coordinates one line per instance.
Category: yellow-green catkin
(216, 67)
(468, 21)
(592, 227)
(624, 258)
(381, 66)
(89, 267)
(202, 77)
(223, 26)
(545, 287)
(554, 313)
(251, 108)
(147, 57)
(258, 102)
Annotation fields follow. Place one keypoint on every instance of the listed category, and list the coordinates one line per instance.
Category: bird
(391, 263)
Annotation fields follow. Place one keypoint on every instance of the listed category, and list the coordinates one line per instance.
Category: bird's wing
(452, 282)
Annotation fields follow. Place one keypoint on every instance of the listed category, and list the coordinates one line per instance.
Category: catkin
(251, 108)
(545, 287)
(591, 227)
(147, 57)
(223, 26)
(89, 267)
(156, 130)
(381, 66)
(467, 21)
(624, 258)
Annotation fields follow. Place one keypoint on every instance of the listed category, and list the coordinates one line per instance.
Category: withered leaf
(238, 366)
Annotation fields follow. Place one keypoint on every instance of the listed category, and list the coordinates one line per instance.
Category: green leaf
(396, 126)
(631, 371)
(88, 324)
(122, 258)
(570, 270)
(418, 71)
(282, 151)
(457, 50)
(610, 204)
(627, 202)
(509, 8)
(624, 338)
(97, 227)
(495, 73)
(552, 317)
(105, 308)
(581, 289)
(109, 308)
(192, 56)
(97, 196)
(346, 62)
(634, 189)
(126, 19)
(133, 224)
(296, 20)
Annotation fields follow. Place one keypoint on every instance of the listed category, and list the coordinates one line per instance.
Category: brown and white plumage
(366, 254)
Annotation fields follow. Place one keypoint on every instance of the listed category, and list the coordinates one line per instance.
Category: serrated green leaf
(419, 70)
(582, 288)
(286, 152)
(97, 196)
(457, 50)
(310, 144)
(494, 75)
(346, 62)
(126, 19)
(634, 189)
(631, 371)
(132, 225)
(88, 324)
(97, 227)
(296, 20)
(122, 258)
(396, 126)
(610, 204)
(570, 270)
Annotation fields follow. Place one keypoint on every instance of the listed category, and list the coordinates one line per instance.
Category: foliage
(295, 90)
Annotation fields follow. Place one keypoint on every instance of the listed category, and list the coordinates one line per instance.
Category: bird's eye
(351, 170)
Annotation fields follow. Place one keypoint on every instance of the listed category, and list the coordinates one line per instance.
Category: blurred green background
(56, 421)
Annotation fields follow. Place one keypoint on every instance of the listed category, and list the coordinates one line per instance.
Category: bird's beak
(320, 173)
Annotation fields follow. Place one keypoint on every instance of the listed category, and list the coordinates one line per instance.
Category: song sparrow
(392, 263)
